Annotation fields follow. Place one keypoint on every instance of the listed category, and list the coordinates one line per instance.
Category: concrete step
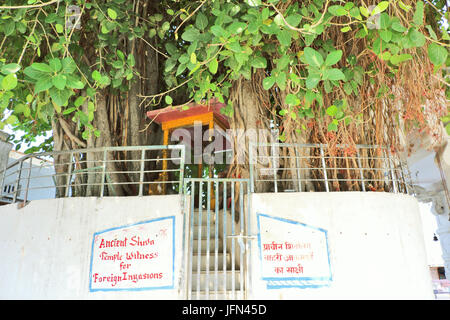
(203, 262)
(224, 280)
(217, 295)
(204, 246)
(204, 220)
(204, 232)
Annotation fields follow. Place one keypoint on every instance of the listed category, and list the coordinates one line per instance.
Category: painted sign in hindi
(134, 257)
(292, 254)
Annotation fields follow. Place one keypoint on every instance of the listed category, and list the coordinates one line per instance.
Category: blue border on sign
(127, 226)
(303, 282)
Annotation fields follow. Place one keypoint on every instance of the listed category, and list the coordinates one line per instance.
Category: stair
(209, 279)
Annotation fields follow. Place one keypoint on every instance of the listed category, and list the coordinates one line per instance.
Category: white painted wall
(375, 243)
(433, 248)
(375, 240)
(46, 246)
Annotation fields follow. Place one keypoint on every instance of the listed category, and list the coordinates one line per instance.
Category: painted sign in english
(134, 257)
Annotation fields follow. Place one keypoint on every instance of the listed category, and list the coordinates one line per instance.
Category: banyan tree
(319, 72)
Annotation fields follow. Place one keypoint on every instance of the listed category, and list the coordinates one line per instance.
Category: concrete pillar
(441, 211)
(5, 148)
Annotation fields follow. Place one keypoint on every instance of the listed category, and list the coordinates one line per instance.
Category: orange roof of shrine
(178, 116)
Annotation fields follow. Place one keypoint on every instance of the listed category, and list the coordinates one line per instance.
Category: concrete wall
(46, 247)
(371, 244)
(375, 245)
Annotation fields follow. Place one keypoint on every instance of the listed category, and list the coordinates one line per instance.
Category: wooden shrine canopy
(186, 116)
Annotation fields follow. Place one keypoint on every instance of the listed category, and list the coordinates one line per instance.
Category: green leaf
(333, 74)
(399, 58)
(213, 66)
(259, 62)
(218, 31)
(43, 84)
(193, 58)
(69, 110)
(96, 75)
(9, 82)
(168, 100)
(59, 28)
(79, 101)
(55, 64)
(74, 83)
(294, 19)
(130, 60)
(437, 54)
(68, 65)
(33, 73)
(59, 81)
(404, 6)
(112, 14)
(432, 33)
(281, 80)
(165, 26)
(333, 57)
(417, 38)
(312, 80)
(236, 27)
(170, 64)
(190, 34)
(291, 99)
(268, 82)
(397, 26)
(337, 11)
(332, 127)
(385, 35)
(43, 67)
(418, 14)
(12, 119)
(59, 97)
(10, 68)
(332, 110)
(312, 57)
(382, 6)
(284, 36)
(364, 11)
(235, 47)
(201, 22)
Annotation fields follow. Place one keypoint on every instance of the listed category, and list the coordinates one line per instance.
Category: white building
(39, 180)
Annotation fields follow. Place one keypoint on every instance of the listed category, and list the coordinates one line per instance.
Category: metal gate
(218, 251)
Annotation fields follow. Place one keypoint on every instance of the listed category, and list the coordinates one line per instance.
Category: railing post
(141, 173)
(274, 169)
(322, 156)
(3, 178)
(103, 174)
(298, 169)
(28, 181)
(182, 156)
(388, 155)
(69, 176)
(16, 189)
(250, 160)
(361, 171)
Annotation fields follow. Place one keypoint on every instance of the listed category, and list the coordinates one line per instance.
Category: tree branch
(29, 6)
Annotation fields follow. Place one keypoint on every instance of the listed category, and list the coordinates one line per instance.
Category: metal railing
(107, 171)
(283, 167)
(142, 170)
(218, 231)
